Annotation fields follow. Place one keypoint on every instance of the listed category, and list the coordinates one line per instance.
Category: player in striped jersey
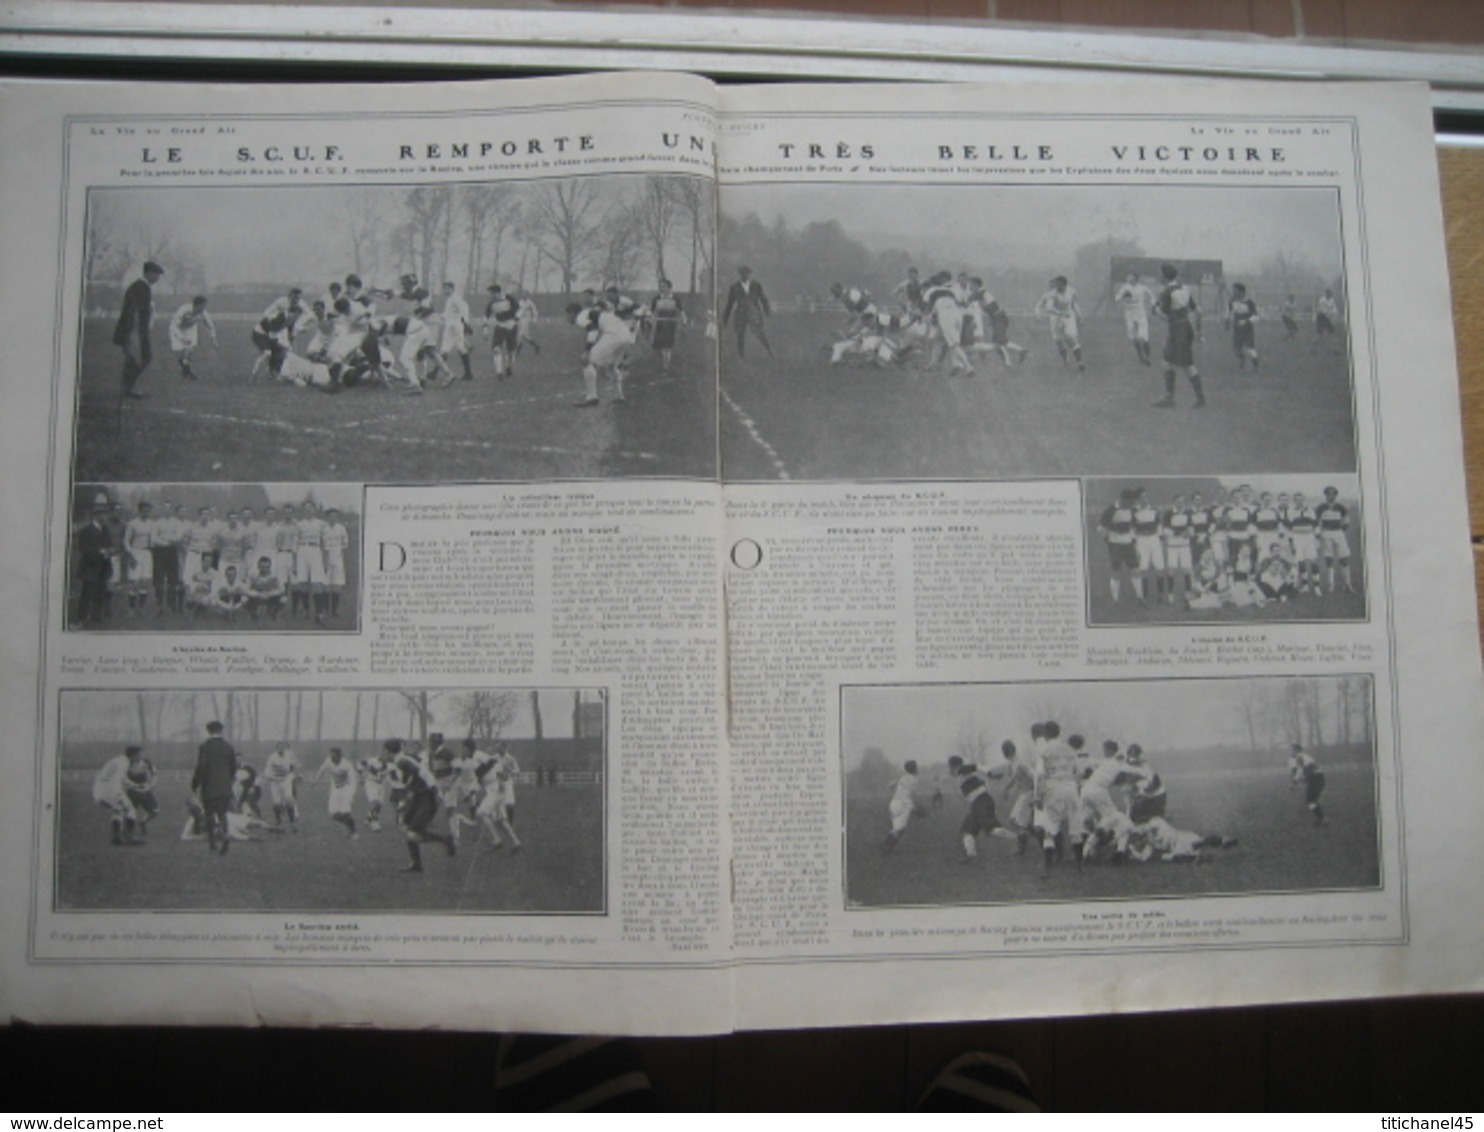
(1303, 528)
(1116, 528)
(417, 802)
(1334, 542)
(1303, 770)
(1177, 305)
(973, 784)
(1241, 317)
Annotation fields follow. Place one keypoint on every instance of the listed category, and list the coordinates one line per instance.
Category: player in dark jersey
(1116, 528)
(1241, 316)
(502, 322)
(666, 316)
(1182, 314)
(1303, 770)
(417, 803)
(973, 784)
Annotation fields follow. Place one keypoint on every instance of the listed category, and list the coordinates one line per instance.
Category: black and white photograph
(1006, 331)
(403, 334)
(487, 800)
(963, 794)
(215, 558)
(1224, 549)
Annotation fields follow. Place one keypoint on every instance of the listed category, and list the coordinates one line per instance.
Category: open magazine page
(1101, 635)
(366, 653)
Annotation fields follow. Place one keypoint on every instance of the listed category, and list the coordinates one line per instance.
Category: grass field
(1039, 419)
(223, 428)
(1280, 848)
(321, 869)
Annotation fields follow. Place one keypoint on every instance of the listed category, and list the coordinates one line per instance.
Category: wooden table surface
(1463, 209)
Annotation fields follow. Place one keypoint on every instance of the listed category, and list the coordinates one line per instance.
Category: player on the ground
(1334, 541)
(1157, 838)
(342, 800)
(111, 791)
(1303, 770)
(1059, 306)
(903, 803)
(1177, 305)
(185, 326)
(281, 770)
(1242, 316)
(1136, 300)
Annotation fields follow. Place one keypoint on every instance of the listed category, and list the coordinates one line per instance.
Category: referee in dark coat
(216, 769)
(131, 332)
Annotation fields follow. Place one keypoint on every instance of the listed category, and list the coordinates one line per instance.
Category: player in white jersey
(334, 540)
(111, 791)
(1098, 804)
(455, 323)
(903, 803)
(1326, 315)
(497, 808)
(1158, 839)
(285, 542)
(138, 559)
(527, 316)
(342, 777)
(374, 772)
(231, 542)
(281, 772)
(185, 326)
(1058, 797)
(608, 354)
(307, 594)
(1136, 300)
(1059, 306)
(200, 544)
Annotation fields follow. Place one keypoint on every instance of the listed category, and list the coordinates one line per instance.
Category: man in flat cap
(131, 334)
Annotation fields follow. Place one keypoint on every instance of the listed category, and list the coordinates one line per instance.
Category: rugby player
(1177, 305)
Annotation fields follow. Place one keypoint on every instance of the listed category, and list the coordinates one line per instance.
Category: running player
(185, 326)
(502, 324)
(1136, 301)
(974, 786)
(1059, 306)
(1326, 316)
(454, 338)
(417, 804)
(903, 802)
(525, 322)
(342, 775)
(1242, 318)
(1302, 769)
(281, 770)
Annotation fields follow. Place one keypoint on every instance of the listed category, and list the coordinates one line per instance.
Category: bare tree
(658, 211)
(485, 715)
(565, 219)
(419, 712)
(695, 199)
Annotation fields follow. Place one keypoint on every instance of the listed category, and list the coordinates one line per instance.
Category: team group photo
(214, 558)
(969, 794)
(1214, 549)
(411, 799)
(485, 331)
(937, 331)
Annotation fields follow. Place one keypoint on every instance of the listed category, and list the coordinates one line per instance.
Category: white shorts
(455, 338)
(1064, 330)
(1334, 544)
(1151, 552)
(182, 340)
(343, 798)
(1177, 557)
(309, 566)
(901, 814)
(335, 568)
(609, 350)
(375, 791)
(1305, 546)
(283, 565)
(281, 792)
(1138, 325)
(141, 566)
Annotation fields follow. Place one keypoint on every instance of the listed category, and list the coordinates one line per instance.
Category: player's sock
(1200, 393)
(414, 851)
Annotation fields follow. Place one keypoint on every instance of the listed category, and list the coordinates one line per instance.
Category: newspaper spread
(626, 554)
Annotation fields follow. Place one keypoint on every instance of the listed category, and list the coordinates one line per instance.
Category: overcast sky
(925, 722)
(98, 715)
(984, 226)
